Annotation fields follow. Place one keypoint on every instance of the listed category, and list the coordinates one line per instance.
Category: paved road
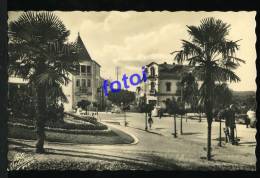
(158, 149)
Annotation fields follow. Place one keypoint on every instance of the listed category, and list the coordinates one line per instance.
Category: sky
(132, 39)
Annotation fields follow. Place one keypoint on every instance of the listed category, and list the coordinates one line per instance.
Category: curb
(136, 140)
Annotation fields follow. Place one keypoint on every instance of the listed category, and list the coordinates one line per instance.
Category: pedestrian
(222, 115)
(160, 113)
(150, 120)
(231, 123)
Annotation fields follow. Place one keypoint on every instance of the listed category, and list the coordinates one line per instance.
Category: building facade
(162, 82)
(86, 84)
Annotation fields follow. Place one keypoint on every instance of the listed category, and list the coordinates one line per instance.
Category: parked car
(116, 109)
(241, 118)
(252, 118)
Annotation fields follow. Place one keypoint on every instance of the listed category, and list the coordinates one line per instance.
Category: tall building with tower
(86, 83)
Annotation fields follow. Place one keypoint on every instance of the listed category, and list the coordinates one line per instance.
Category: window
(152, 71)
(77, 83)
(89, 69)
(83, 83)
(77, 69)
(89, 83)
(152, 85)
(168, 86)
(83, 69)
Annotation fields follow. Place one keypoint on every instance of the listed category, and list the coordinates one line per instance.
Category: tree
(222, 99)
(124, 96)
(190, 91)
(84, 104)
(173, 108)
(213, 58)
(39, 53)
(123, 99)
(222, 96)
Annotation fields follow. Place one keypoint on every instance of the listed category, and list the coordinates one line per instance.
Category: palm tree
(38, 52)
(213, 58)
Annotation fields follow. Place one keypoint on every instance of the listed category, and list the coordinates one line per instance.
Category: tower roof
(83, 52)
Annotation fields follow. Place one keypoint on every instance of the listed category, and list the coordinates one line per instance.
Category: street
(158, 149)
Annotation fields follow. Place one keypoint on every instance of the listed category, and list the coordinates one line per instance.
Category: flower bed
(82, 118)
(59, 130)
(61, 124)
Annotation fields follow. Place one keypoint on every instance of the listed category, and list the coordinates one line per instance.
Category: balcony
(83, 91)
(152, 92)
(85, 74)
(152, 76)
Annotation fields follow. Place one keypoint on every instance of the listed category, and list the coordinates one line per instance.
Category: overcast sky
(132, 39)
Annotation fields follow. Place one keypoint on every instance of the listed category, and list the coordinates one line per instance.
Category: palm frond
(224, 74)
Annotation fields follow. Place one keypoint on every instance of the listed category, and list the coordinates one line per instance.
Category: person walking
(220, 117)
(223, 115)
(150, 120)
(232, 123)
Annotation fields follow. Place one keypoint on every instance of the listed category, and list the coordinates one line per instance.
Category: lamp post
(219, 144)
(123, 108)
(220, 129)
(145, 109)
(99, 100)
(125, 116)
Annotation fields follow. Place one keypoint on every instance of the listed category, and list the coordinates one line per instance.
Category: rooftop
(84, 54)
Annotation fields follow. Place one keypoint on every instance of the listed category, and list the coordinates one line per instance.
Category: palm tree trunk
(209, 142)
(209, 108)
(40, 118)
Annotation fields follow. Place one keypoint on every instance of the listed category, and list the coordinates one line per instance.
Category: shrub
(61, 124)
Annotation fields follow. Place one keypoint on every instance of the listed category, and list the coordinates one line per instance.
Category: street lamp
(181, 107)
(99, 100)
(123, 108)
(220, 128)
(145, 108)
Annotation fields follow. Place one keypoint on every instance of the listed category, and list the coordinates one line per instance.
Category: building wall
(151, 86)
(84, 92)
(162, 86)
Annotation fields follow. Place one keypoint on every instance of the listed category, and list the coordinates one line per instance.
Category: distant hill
(246, 98)
(244, 94)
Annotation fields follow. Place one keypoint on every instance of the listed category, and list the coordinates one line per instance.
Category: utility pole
(220, 129)
(145, 106)
(117, 69)
(125, 116)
